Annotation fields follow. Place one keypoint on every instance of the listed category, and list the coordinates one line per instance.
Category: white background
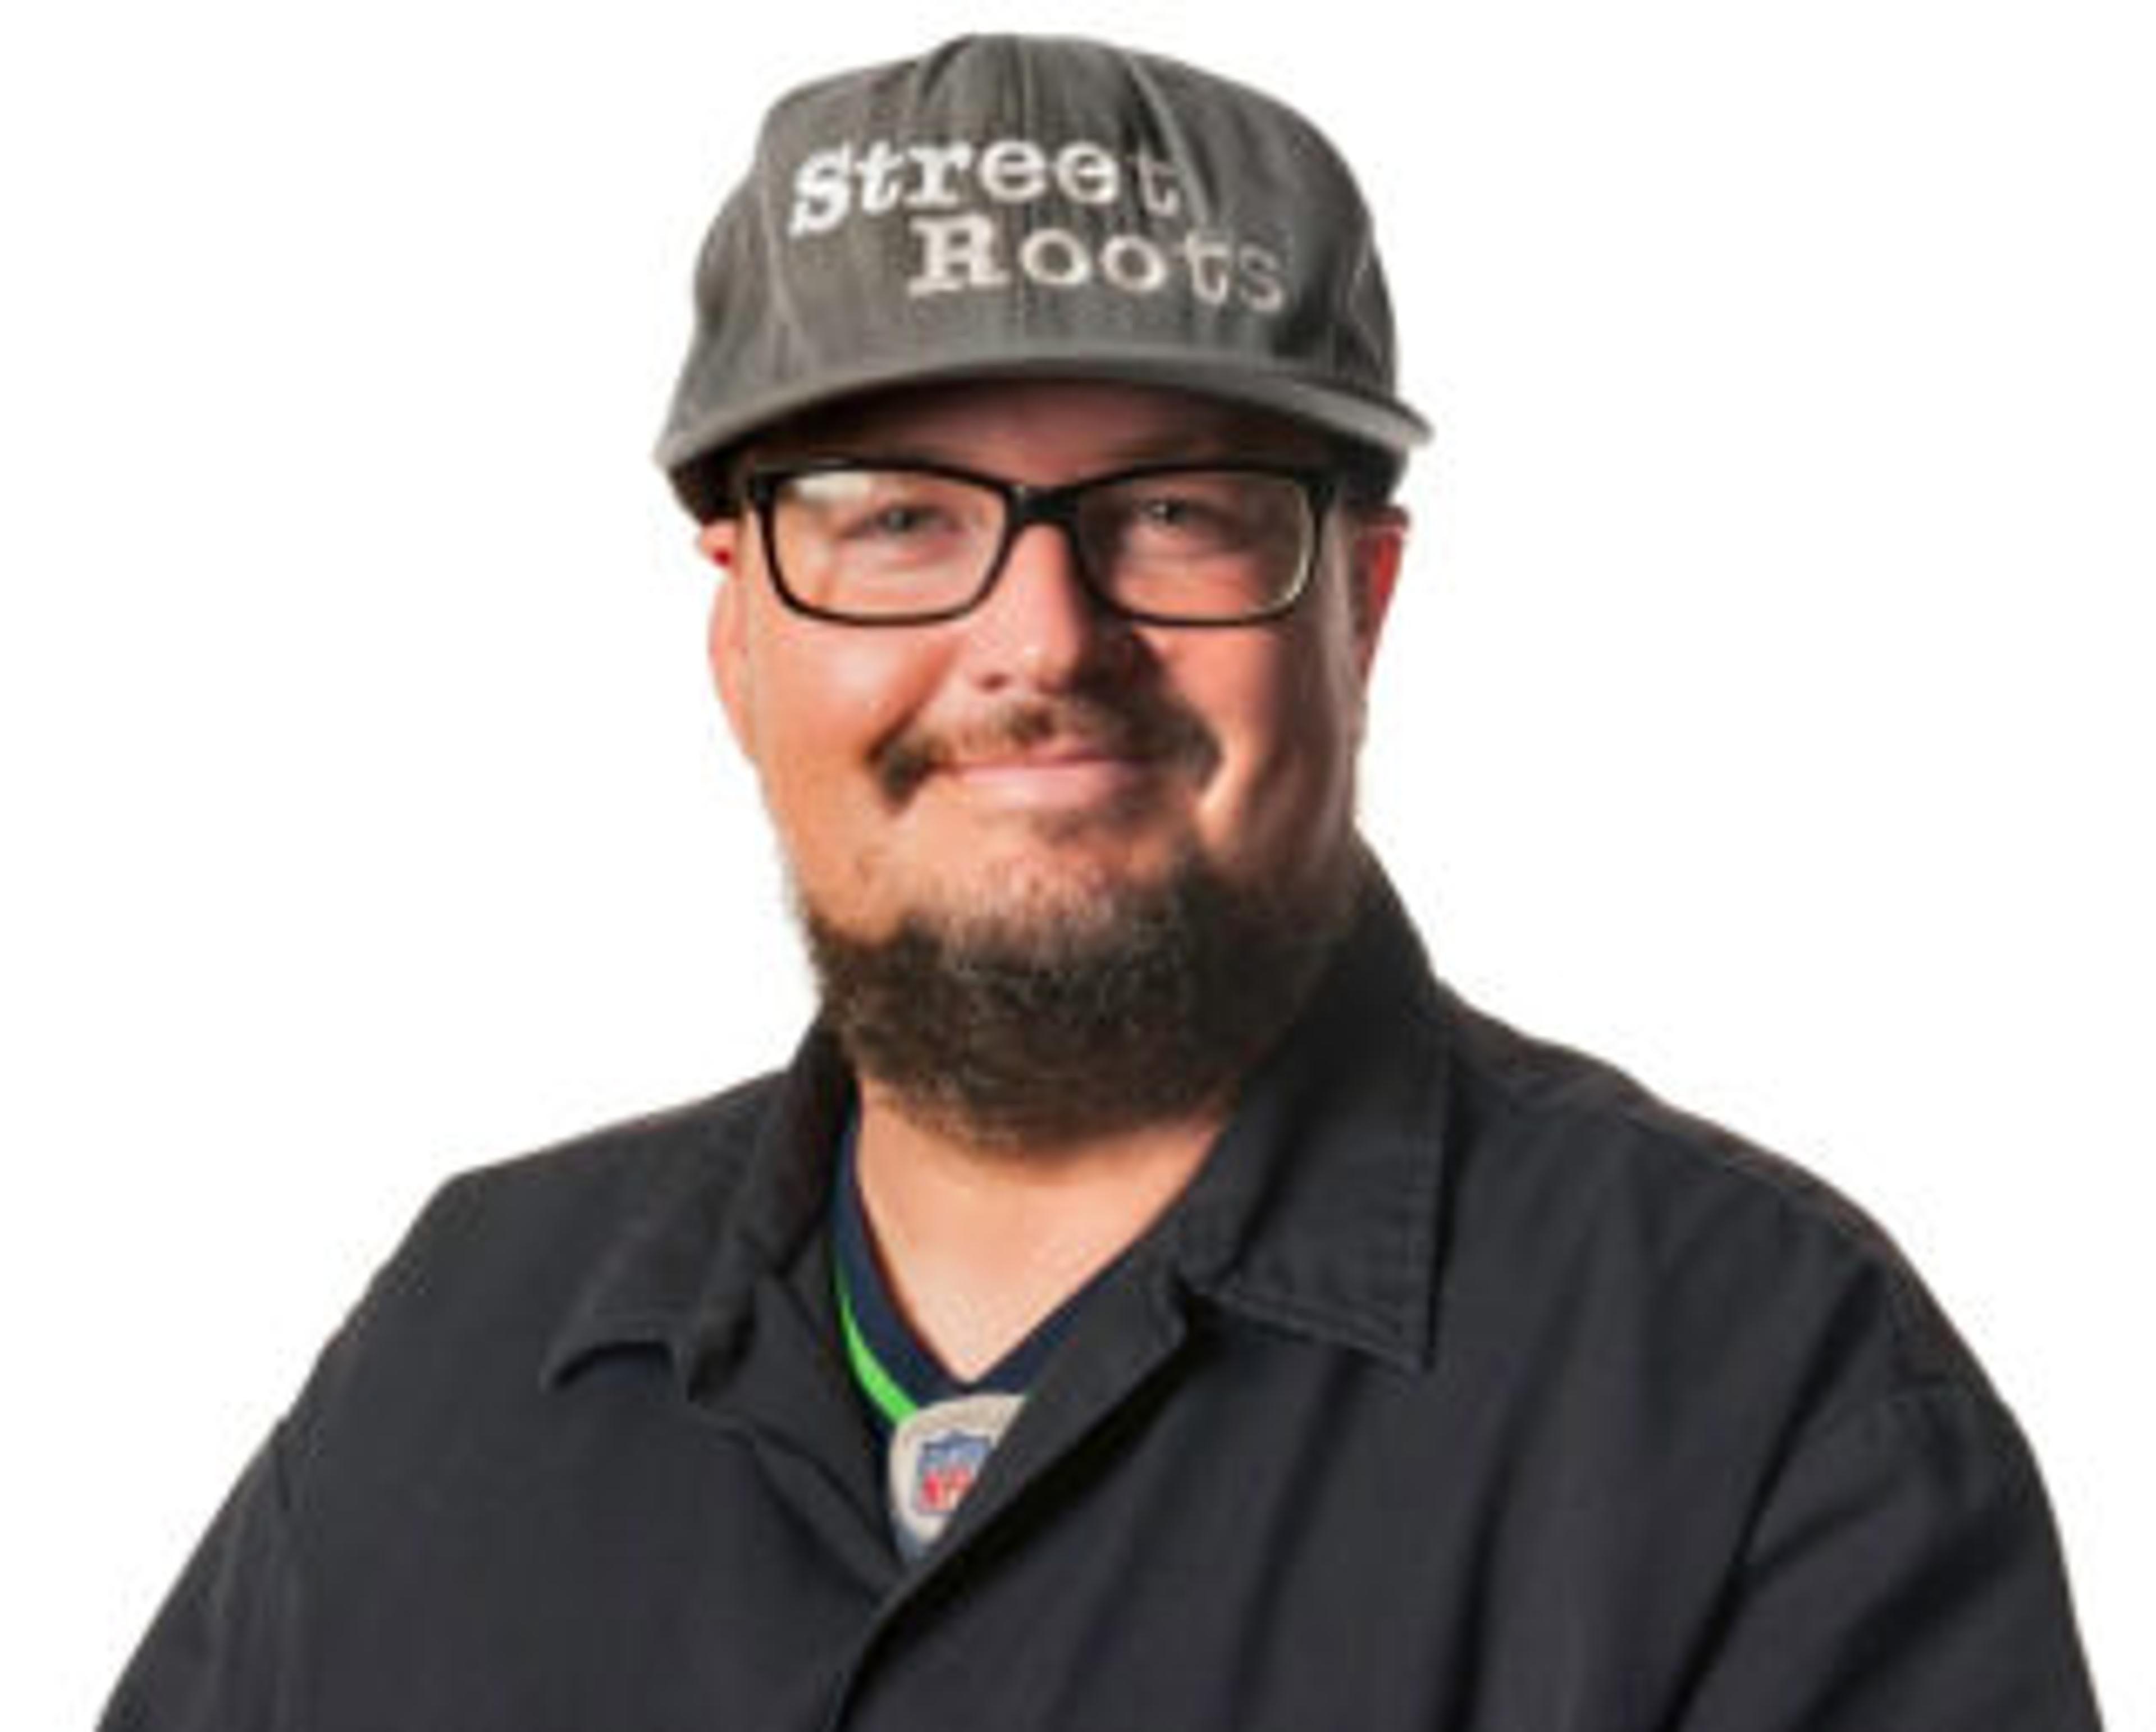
(1769, 707)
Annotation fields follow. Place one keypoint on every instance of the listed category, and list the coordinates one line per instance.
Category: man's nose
(1039, 625)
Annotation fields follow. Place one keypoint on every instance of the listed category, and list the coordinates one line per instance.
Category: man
(1149, 1299)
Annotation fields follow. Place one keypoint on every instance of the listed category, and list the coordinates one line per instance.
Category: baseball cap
(1045, 207)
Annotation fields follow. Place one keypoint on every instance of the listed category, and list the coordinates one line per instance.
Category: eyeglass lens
(891, 543)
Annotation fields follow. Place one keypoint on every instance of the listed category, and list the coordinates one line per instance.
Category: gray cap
(1011, 205)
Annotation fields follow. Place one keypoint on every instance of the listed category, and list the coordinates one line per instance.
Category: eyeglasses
(912, 543)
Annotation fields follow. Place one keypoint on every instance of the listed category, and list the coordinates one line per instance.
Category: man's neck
(978, 1244)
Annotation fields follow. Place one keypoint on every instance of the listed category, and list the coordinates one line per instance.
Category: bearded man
(1149, 1299)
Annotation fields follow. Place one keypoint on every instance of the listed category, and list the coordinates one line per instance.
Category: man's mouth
(1051, 781)
(1050, 754)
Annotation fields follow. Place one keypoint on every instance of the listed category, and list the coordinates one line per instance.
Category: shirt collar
(1317, 1212)
(681, 1272)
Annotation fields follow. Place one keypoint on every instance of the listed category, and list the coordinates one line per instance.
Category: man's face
(1038, 760)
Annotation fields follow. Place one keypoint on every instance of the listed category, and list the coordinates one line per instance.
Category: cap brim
(693, 454)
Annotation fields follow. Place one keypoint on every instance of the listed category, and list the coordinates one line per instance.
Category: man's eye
(900, 521)
(1180, 520)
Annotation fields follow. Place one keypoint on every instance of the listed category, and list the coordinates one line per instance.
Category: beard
(1042, 1028)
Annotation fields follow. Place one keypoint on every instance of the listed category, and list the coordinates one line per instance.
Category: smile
(1050, 781)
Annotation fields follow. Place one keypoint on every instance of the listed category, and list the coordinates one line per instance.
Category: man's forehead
(1119, 421)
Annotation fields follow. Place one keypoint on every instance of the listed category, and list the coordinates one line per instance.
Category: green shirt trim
(877, 1384)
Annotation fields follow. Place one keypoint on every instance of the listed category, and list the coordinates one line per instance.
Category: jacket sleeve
(222, 1655)
(1904, 1572)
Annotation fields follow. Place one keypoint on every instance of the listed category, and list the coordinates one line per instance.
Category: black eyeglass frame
(1025, 505)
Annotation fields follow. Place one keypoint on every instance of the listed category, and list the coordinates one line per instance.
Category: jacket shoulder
(1659, 1212)
(589, 1182)
(468, 1310)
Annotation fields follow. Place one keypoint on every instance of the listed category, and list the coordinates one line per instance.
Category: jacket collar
(1317, 1212)
(681, 1272)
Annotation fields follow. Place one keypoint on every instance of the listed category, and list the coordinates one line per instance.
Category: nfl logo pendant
(937, 1453)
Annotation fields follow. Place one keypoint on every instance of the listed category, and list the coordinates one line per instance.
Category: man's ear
(725, 642)
(1377, 544)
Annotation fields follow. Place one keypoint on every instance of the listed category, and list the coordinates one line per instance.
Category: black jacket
(1468, 1388)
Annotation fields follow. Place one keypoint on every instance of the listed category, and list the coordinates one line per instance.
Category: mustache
(1151, 729)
